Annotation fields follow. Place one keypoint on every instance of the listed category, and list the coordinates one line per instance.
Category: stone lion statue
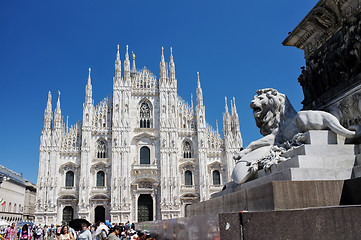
(281, 125)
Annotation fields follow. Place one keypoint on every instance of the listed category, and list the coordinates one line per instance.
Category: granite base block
(274, 195)
(313, 223)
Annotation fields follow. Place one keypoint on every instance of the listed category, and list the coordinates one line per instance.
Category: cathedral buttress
(85, 159)
(44, 158)
(201, 136)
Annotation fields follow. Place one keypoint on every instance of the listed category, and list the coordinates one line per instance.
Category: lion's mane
(270, 110)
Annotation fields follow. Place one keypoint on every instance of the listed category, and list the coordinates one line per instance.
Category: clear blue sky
(49, 45)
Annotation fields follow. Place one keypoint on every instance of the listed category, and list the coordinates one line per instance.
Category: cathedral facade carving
(142, 154)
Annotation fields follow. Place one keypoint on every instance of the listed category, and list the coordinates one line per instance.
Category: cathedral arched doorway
(99, 214)
(68, 213)
(145, 208)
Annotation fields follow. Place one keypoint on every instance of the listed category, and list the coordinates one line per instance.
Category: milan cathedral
(142, 154)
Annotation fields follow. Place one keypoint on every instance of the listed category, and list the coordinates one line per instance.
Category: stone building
(331, 80)
(19, 195)
(142, 154)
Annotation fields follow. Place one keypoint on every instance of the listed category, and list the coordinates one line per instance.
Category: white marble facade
(142, 151)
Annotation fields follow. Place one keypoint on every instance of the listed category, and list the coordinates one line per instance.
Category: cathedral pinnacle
(171, 68)
(171, 54)
(88, 90)
(199, 92)
(57, 114)
(48, 114)
(126, 54)
(162, 57)
(48, 105)
(89, 79)
(234, 105)
(134, 69)
(198, 83)
(163, 74)
(225, 105)
(118, 70)
(118, 54)
(58, 103)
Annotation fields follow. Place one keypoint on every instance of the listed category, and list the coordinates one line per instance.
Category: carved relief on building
(348, 109)
(333, 68)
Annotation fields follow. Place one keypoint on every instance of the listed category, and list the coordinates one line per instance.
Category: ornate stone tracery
(142, 112)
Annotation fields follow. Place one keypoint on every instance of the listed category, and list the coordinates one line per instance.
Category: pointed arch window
(69, 179)
(187, 150)
(100, 179)
(145, 155)
(188, 181)
(101, 149)
(216, 177)
(145, 115)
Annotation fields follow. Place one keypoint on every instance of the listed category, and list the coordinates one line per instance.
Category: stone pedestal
(313, 223)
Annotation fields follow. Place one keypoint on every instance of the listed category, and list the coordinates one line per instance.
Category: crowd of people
(99, 231)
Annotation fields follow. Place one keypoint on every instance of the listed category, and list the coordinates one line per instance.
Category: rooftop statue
(282, 128)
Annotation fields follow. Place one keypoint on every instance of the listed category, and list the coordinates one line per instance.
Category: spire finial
(89, 79)
(48, 104)
(126, 53)
(225, 104)
(118, 54)
(198, 83)
(171, 54)
(58, 103)
(234, 103)
(162, 57)
(134, 68)
(49, 96)
(67, 123)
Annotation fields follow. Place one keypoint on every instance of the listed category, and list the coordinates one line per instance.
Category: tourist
(114, 235)
(25, 233)
(51, 232)
(84, 233)
(72, 231)
(10, 232)
(102, 232)
(38, 232)
(57, 232)
(65, 234)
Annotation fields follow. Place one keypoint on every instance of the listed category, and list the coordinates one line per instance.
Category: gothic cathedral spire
(199, 92)
(127, 67)
(118, 69)
(89, 91)
(226, 120)
(57, 114)
(171, 68)
(48, 114)
(163, 71)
